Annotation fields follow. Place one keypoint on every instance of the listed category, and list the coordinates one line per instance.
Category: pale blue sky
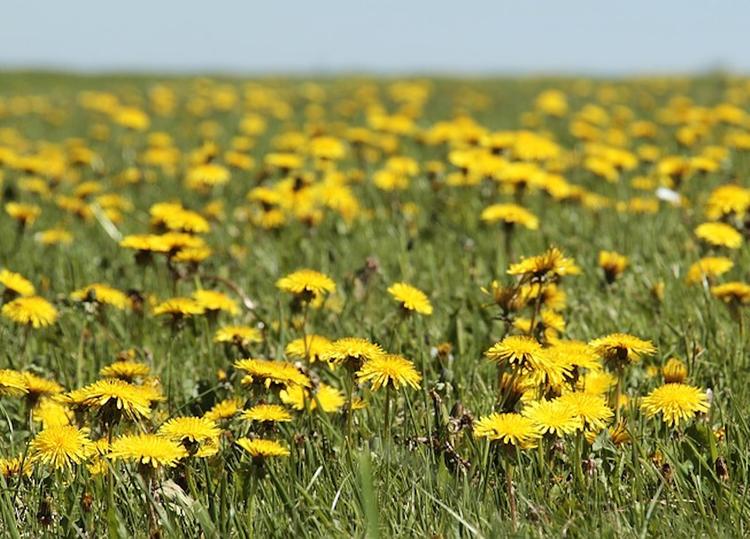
(466, 37)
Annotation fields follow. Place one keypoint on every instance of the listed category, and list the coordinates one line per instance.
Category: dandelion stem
(618, 392)
(511, 495)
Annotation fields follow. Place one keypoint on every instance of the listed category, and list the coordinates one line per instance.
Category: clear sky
(426, 36)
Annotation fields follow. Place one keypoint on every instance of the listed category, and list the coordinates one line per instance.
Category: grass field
(211, 191)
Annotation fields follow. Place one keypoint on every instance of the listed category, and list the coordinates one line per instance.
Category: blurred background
(385, 36)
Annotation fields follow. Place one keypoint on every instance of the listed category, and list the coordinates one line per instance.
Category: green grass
(328, 486)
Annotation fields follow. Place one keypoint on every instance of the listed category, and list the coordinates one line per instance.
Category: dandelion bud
(674, 371)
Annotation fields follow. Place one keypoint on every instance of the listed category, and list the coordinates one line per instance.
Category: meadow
(361, 307)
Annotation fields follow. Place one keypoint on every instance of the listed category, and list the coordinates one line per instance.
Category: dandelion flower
(549, 266)
(125, 370)
(198, 435)
(719, 235)
(515, 350)
(115, 397)
(510, 214)
(410, 298)
(329, 398)
(260, 448)
(591, 409)
(734, 293)
(613, 264)
(389, 369)
(30, 311)
(179, 307)
(576, 354)
(597, 382)
(212, 300)
(16, 283)
(674, 371)
(224, 410)
(553, 417)
(271, 413)
(102, 294)
(12, 383)
(708, 268)
(238, 335)
(307, 284)
(675, 402)
(272, 372)
(38, 387)
(54, 236)
(352, 351)
(52, 413)
(24, 214)
(311, 347)
(510, 429)
(621, 348)
(60, 447)
(147, 449)
(14, 467)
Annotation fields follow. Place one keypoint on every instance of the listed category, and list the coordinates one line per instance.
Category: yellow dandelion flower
(597, 382)
(550, 265)
(510, 214)
(150, 243)
(591, 409)
(675, 402)
(389, 369)
(179, 307)
(410, 298)
(306, 284)
(147, 449)
(52, 413)
(212, 300)
(38, 387)
(311, 347)
(553, 417)
(24, 214)
(115, 396)
(60, 446)
(194, 433)
(734, 293)
(674, 371)
(12, 383)
(576, 354)
(102, 294)
(719, 235)
(238, 335)
(329, 398)
(515, 350)
(613, 264)
(15, 467)
(271, 413)
(224, 410)
(54, 236)
(708, 268)
(621, 348)
(509, 429)
(207, 175)
(260, 448)
(272, 372)
(30, 311)
(16, 283)
(125, 370)
(352, 351)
